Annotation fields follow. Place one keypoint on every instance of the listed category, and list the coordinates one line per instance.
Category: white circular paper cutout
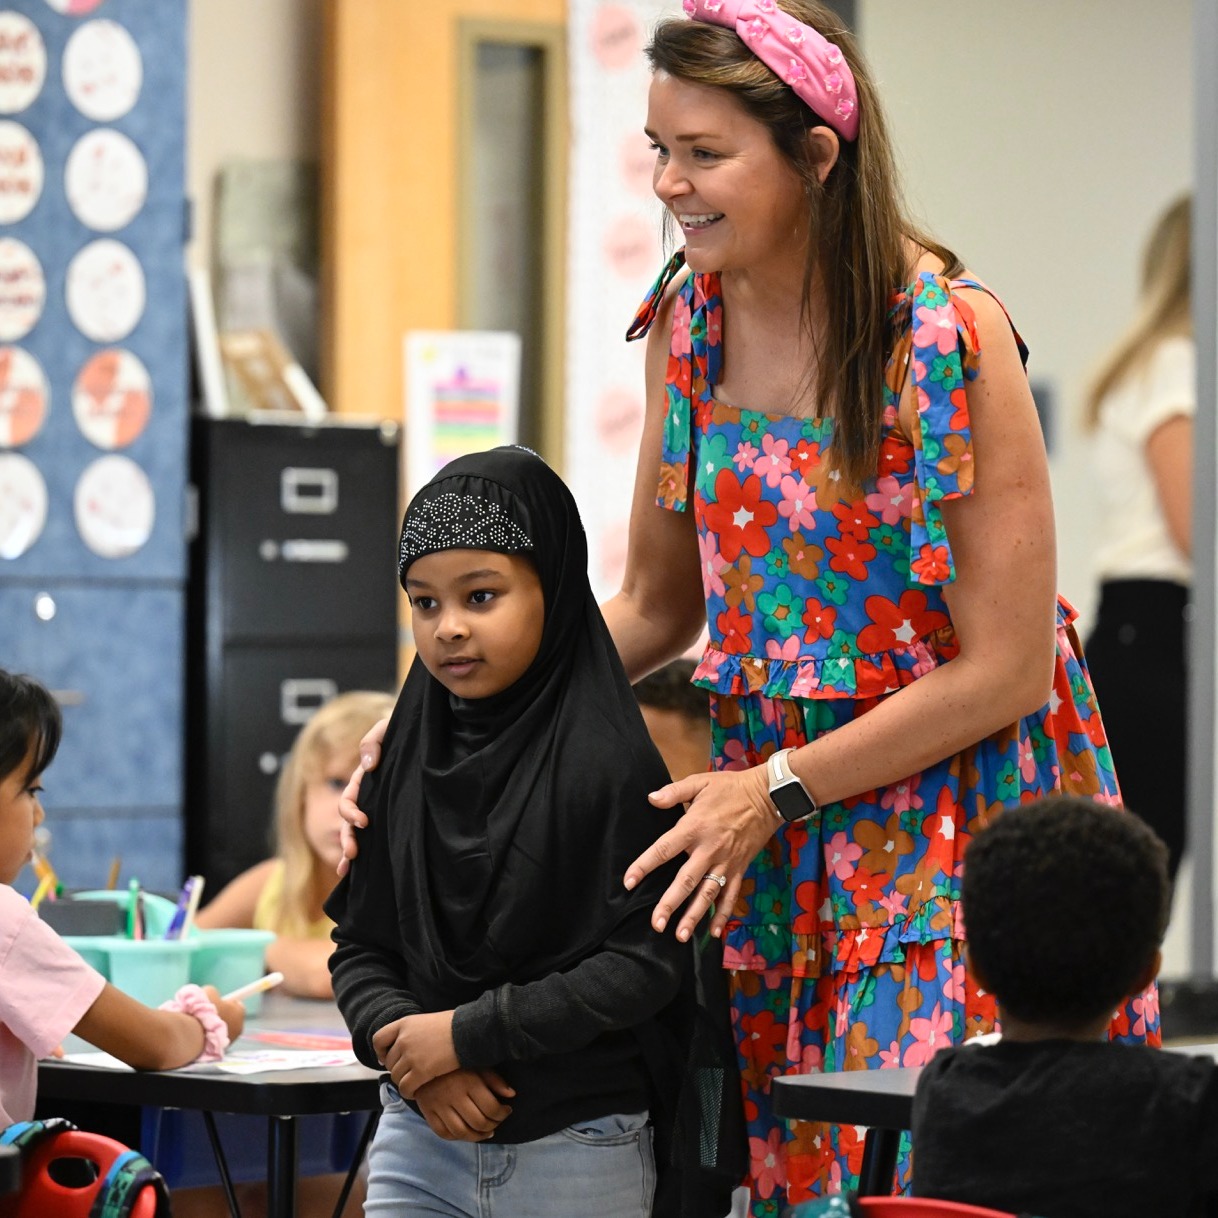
(106, 180)
(105, 291)
(114, 507)
(20, 172)
(23, 62)
(23, 504)
(112, 398)
(102, 70)
(23, 289)
(74, 8)
(24, 397)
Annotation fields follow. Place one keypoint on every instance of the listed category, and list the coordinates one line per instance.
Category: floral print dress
(846, 943)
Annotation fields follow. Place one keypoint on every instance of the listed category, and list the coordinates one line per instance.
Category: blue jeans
(602, 1168)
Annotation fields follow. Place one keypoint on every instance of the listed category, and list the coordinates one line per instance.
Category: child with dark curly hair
(1065, 904)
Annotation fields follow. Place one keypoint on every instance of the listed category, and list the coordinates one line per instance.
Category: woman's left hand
(728, 820)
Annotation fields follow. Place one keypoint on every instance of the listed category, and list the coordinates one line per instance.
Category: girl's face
(477, 616)
(20, 815)
(738, 201)
(322, 821)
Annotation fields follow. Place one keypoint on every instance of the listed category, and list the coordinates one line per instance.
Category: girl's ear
(824, 147)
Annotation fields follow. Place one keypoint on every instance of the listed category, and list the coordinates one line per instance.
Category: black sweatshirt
(563, 1041)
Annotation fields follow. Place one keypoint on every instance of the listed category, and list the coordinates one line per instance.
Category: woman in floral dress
(842, 474)
(871, 546)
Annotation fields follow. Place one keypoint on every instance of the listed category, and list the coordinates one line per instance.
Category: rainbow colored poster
(462, 395)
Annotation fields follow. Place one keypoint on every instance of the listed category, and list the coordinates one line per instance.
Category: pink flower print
(893, 903)
(734, 756)
(766, 6)
(680, 327)
(901, 796)
(890, 1058)
(798, 504)
(754, 29)
(841, 854)
(1027, 760)
(833, 82)
(787, 650)
(708, 666)
(746, 957)
(937, 327)
(714, 326)
(746, 455)
(811, 1059)
(844, 107)
(713, 565)
(930, 1035)
(796, 73)
(774, 464)
(795, 34)
(771, 711)
(891, 501)
(953, 987)
(690, 7)
(833, 53)
(769, 1170)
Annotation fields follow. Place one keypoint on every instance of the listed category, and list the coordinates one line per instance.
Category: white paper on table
(240, 1061)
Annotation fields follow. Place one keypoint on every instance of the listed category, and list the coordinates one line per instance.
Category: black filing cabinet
(292, 598)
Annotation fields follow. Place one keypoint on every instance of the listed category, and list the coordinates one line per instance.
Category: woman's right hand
(348, 803)
(233, 1013)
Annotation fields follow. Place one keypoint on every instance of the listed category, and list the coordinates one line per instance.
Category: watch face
(791, 800)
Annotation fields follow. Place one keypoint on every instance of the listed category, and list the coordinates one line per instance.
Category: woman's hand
(729, 819)
(416, 1049)
(348, 803)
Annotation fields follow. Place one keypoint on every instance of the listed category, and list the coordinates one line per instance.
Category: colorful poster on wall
(462, 396)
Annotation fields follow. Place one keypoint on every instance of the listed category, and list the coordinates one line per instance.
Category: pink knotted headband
(796, 53)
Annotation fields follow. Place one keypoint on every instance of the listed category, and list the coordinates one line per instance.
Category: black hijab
(505, 824)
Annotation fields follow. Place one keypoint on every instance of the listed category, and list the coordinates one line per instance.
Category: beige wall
(253, 92)
(1039, 139)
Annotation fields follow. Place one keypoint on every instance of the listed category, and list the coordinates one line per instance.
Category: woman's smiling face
(739, 202)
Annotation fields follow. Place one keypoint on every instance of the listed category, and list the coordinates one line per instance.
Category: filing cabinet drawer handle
(313, 549)
(299, 697)
(309, 492)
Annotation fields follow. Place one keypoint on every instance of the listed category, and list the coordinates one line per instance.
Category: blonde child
(285, 893)
(46, 989)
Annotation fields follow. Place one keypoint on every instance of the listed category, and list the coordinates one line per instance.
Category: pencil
(116, 864)
(269, 982)
(44, 886)
(196, 891)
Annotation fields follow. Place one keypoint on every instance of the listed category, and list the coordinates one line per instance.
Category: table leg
(226, 1179)
(880, 1149)
(356, 1163)
(281, 1167)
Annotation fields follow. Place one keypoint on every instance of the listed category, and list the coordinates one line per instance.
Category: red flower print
(804, 456)
(820, 620)
(855, 519)
(769, 1165)
(932, 565)
(807, 901)
(896, 456)
(866, 886)
(850, 556)
(739, 516)
(763, 1038)
(898, 625)
(734, 627)
(714, 325)
(960, 417)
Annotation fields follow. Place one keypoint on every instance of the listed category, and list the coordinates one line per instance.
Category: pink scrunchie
(191, 1000)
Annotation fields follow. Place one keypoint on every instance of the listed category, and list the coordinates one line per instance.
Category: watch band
(790, 797)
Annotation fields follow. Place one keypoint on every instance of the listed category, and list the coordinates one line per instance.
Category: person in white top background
(1140, 408)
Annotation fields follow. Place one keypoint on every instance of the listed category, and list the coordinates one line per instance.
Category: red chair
(923, 1207)
(42, 1195)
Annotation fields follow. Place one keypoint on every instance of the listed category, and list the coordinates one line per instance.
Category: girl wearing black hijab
(487, 954)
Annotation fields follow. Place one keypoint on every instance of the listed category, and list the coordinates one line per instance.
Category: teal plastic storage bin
(228, 959)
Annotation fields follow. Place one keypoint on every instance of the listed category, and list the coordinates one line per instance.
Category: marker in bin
(269, 982)
(184, 914)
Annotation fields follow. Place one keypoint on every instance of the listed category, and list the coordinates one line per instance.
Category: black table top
(273, 1093)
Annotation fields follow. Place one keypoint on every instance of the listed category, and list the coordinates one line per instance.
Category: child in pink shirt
(46, 989)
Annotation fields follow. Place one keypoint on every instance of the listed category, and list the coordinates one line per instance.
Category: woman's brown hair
(1164, 310)
(857, 219)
